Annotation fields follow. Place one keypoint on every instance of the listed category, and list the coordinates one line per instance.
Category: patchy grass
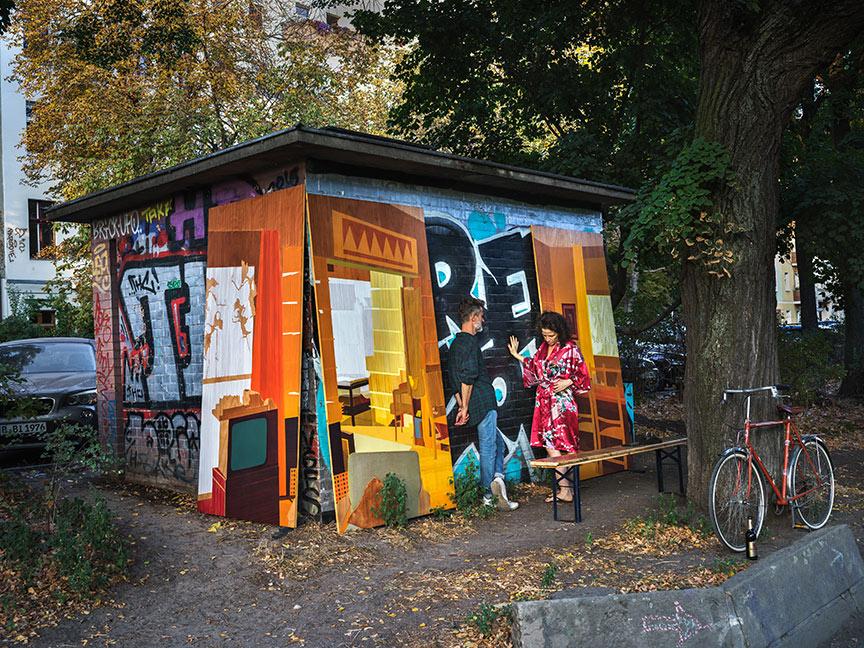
(51, 570)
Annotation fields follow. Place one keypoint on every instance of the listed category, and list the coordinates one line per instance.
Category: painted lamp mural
(291, 345)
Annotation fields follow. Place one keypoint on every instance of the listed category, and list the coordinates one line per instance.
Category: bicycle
(736, 491)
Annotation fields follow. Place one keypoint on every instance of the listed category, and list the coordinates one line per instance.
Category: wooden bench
(669, 449)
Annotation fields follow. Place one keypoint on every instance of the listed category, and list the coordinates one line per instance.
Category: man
(475, 397)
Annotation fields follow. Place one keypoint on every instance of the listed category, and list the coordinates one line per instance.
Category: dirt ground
(200, 582)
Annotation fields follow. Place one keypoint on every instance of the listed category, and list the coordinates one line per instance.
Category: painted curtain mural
(252, 359)
(385, 409)
(149, 277)
(571, 269)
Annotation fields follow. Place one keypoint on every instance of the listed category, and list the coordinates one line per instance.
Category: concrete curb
(798, 596)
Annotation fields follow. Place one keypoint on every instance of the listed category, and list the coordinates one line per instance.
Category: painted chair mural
(376, 329)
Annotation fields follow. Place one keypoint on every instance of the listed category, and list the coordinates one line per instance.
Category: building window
(44, 317)
(302, 10)
(332, 20)
(41, 229)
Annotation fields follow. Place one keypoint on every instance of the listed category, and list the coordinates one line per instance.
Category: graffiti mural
(163, 444)
(104, 327)
(475, 258)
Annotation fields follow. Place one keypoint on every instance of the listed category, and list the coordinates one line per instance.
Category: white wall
(22, 273)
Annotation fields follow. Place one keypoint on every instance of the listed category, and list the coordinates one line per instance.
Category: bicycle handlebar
(774, 389)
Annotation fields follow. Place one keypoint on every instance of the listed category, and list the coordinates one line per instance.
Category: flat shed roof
(336, 150)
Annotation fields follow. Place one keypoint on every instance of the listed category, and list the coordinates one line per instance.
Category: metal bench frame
(665, 450)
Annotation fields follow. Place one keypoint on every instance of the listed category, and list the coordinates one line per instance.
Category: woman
(560, 373)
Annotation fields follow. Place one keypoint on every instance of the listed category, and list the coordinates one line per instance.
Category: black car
(56, 382)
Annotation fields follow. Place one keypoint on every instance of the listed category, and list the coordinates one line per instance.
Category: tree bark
(806, 282)
(853, 355)
(754, 66)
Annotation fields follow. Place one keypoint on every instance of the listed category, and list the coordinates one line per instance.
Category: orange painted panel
(271, 283)
(570, 267)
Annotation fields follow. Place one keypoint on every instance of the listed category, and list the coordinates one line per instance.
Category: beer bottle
(750, 538)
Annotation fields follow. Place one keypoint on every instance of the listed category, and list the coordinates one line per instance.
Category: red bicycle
(736, 491)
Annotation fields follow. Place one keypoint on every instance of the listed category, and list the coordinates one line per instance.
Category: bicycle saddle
(792, 410)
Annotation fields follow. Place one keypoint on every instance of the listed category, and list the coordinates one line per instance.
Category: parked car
(654, 367)
(56, 383)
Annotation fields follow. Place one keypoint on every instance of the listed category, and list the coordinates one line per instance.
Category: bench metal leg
(673, 455)
(570, 477)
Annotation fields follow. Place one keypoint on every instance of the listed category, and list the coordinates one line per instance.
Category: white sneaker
(488, 501)
(499, 490)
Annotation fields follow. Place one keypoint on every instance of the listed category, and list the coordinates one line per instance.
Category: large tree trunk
(806, 282)
(754, 65)
(853, 357)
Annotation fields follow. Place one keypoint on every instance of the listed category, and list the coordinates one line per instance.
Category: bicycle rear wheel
(735, 493)
(810, 469)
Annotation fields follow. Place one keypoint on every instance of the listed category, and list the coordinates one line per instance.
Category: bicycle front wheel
(735, 493)
(811, 483)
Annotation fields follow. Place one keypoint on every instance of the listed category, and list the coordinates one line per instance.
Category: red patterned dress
(556, 417)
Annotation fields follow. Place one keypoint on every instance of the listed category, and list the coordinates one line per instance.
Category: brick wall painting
(159, 301)
(471, 257)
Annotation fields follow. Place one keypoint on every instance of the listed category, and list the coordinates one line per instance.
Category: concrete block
(677, 618)
(798, 596)
(798, 583)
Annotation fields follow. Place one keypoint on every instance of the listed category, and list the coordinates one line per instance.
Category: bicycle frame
(792, 438)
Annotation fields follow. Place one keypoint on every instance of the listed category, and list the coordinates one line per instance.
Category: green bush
(86, 544)
(807, 363)
(486, 615)
(394, 496)
(21, 545)
(468, 493)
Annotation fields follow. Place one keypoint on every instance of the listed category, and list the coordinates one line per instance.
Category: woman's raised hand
(513, 347)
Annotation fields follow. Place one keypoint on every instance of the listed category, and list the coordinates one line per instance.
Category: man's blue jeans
(492, 450)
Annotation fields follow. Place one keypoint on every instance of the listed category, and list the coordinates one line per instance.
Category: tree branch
(636, 330)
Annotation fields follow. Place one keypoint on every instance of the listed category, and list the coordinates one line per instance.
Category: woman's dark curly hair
(553, 321)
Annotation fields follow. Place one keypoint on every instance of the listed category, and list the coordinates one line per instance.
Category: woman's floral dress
(556, 417)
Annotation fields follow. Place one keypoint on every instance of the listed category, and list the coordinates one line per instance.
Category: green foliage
(548, 576)
(88, 548)
(468, 493)
(727, 566)
(589, 89)
(393, 501)
(589, 540)
(84, 546)
(676, 216)
(21, 545)
(807, 363)
(128, 88)
(485, 616)
(440, 513)
(669, 513)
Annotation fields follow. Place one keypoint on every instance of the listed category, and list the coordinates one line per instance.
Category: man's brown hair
(468, 307)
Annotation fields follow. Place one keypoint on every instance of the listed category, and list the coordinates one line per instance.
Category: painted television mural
(282, 342)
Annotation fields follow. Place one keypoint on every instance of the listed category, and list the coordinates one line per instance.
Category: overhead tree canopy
(823, 194)
(601, 90)
(129, 87)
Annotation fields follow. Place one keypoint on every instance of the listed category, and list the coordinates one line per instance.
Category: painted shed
(272, 321)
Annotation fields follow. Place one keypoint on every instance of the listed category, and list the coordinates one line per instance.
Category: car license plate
(23, 428)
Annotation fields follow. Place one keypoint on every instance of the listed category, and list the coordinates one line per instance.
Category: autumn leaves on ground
(446, 581)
